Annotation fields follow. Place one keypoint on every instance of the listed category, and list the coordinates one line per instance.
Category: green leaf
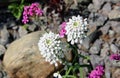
(22, 1)
(11, 6)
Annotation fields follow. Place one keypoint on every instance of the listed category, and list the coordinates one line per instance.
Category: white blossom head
(50, 48)
(76, 29)
(57, 75)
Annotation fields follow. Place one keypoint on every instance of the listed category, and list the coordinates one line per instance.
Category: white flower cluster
(57, 75)
(75, 29)
(50, 48)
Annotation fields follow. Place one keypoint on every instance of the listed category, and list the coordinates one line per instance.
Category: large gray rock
(23, 59)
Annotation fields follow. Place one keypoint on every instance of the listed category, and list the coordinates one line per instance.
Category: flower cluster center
(75, 24)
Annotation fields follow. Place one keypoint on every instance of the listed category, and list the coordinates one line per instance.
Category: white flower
(57, 75)
(50, 48)
(75, 29)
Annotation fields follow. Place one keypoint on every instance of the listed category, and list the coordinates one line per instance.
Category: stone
(31, 27)
(2, 50)
(111, 33)
(98, 4)
(106, 8)
(107, 67)
(97, 19)
(23, 59)
(15, 27)
(118, 41)
(86, 42)
(114, 48)
(95, 49)
(116, 26)
(91, 8)
(15, 35)
(115, 63)
(4, 36)
(22, 31)
(105, 28)
(113, 1)
(116, 73)
(105, 50)
(96, 60)
(114, 14)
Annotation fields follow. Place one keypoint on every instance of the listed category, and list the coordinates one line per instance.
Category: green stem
(81, 72)
(66, 74)
(69, 76)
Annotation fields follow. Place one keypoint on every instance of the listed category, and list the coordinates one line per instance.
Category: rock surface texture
(23, 60)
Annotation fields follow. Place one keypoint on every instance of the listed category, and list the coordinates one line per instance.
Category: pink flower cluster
(62, 30)
(97, 72)
(31, 10)
(115, 57)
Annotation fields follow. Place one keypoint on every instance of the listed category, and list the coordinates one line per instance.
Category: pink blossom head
(62, 30)
(30, 11)
(115, 57)
(97, 72)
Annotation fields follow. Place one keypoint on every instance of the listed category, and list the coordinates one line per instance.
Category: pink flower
(62, 30)
(31, 10)
(97, 72)
(115, 57)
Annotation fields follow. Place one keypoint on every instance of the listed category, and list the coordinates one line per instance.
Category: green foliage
(16, 9)
(74, 68)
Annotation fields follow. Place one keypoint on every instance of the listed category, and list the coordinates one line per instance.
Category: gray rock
(107, 73)
(96, 60)
(115, 63)
(118, 41)
(105, 50)
(106, 8)
(2, 50)
(15, 27)
(91, 8)
(112, 40)
(113, 1)
(114, 14)
(4, 36)
(1, 74)
(116, 27)
(114, 48)
(105, 28)
(22, 31)
(86, 42)
(32, 27)
(111, 33)
(107, 67)
(95, 49)
(98, 4)
(97, 19)
(15, 35)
